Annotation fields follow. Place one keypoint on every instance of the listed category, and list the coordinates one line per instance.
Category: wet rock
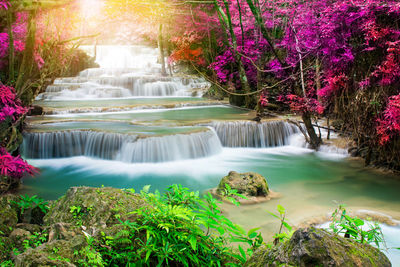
(35, 111)
(248, 184)
(317, 247)
(63, 231)
(94, 208)
(353, 151)
(32, 228)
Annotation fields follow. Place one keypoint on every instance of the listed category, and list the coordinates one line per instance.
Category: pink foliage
(14, 167)
(389, 71)
(302, 104)
(10, 105)
(389, 125)
(334, 84)
(4, 4)
(19, 30)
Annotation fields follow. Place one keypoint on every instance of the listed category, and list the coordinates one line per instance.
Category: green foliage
(78, 213)
(27, 202)
(35, 240)
(179, 227)
(282, 235)
(7, 263)
(231, 194)
(57, 257)
(89, 257)
(353, 227)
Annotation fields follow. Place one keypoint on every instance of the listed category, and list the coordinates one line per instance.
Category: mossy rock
(317, 247)
(18, 236)
(249, 184)
(8, 214)
(56, 253)
(96, 208)
(5, 248)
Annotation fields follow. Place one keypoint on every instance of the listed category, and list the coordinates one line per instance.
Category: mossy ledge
(317, 247)
(98, 212)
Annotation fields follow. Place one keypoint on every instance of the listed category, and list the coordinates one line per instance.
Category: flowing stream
(124, 125)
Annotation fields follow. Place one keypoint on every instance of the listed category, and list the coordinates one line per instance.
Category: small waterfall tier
(171, 148)
(62, 144)
(121, 147)
(254, 134)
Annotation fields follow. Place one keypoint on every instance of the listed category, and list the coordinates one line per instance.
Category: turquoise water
(182, 115)
(116, 127)
(116, 102)
(310, 184)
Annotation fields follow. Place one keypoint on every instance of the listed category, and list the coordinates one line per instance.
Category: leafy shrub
(27, 202)
(282, 235)
(356, 228)
(179, 228)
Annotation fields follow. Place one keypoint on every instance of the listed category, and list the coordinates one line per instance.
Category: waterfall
(73, 143)
(125, 71)
(159, 88)
(122, 147)
(171, 147)
(253, 134)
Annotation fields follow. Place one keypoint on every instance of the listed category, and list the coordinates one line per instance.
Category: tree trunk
(10, 48)
(315, 141)
(161, 50)
(26, 67)
(244, 82)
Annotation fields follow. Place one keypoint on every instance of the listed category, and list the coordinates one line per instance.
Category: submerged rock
(317, 247)
(35, 111)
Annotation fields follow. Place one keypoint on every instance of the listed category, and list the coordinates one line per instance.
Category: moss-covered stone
(56, 253)
(95, 208)
(18, 236)
(8, 215)
(317, 247)
(250, 184)
(5, 248)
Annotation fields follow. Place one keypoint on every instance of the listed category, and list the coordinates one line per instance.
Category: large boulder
(317, 247)
(82, 212)
(94, 208)
(250, 184)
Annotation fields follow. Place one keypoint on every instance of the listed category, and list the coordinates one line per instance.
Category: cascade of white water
(254, 134)
(73, 143)
(171, 147)
(120, 147)
(125, 71)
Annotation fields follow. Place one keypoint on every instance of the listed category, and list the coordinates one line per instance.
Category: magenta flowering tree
(389, 124)
(11, 109)
(12, 169)
(327, 56)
